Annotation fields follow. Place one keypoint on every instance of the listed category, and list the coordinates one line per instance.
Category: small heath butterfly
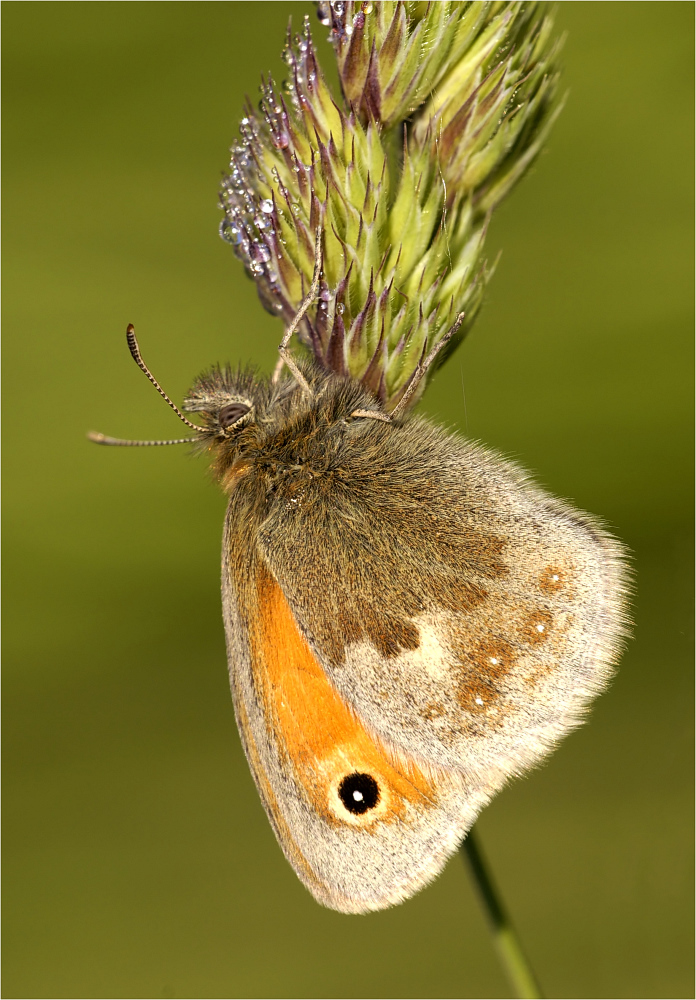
(410, 621)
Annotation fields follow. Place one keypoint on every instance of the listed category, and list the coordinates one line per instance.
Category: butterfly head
(225, 400)
(247, 418)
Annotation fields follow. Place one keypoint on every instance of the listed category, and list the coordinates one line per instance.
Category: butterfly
(410, 621)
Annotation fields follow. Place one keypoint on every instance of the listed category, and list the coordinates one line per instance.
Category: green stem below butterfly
(514, 961)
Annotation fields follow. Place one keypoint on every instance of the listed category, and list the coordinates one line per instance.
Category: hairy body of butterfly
(409, 620)
(409, 623)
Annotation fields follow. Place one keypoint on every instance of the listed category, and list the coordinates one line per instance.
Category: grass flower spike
(443, 108)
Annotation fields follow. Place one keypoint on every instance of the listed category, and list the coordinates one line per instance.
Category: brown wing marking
(512, 644)
(316, 733)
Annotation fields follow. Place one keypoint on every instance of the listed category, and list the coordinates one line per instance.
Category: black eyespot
(230, 414)
(359, 792)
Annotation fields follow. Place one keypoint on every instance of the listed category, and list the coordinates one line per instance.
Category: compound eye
(231, 414)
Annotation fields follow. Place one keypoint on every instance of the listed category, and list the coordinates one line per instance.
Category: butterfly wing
(362, 828)
(467, 617)
(405, 631)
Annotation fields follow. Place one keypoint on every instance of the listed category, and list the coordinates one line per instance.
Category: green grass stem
(507, 943)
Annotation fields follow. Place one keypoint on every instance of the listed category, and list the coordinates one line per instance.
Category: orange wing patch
(346, 775)
(271, 803)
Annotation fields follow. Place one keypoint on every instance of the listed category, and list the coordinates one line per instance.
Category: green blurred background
(138, 859)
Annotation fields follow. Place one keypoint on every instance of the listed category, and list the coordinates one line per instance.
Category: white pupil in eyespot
(358, 796)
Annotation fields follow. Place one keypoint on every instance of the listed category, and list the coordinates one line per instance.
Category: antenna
(135, 352)
(98, 438)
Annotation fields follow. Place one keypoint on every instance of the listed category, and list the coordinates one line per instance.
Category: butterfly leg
(422, 367)
(372, 415)
(285, 356)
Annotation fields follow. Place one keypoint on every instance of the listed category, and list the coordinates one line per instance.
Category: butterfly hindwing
(409, 622)
(467, 617)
